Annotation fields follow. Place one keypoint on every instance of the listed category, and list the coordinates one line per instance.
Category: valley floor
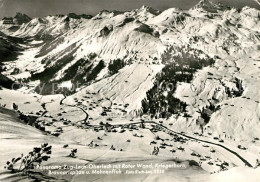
(123, 142)
(17, 138)
(154, 96)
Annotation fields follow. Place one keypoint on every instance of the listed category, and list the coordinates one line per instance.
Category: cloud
(257, 1)
(1, 3)
(2, 10)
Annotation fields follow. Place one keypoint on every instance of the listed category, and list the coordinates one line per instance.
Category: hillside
(193, 72)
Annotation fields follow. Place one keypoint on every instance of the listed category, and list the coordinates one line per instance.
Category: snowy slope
(69, 49)
(192, 77)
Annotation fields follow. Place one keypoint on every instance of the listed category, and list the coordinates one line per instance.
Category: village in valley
(169, 95)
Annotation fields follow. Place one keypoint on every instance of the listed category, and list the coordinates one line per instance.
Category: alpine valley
(174, 88)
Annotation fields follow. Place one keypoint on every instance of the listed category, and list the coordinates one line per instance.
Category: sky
(40, 8)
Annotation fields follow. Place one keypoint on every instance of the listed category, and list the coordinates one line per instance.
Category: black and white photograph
(130, 90)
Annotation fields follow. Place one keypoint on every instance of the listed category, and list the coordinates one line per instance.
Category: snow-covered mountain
(196, 66)
(141, 86)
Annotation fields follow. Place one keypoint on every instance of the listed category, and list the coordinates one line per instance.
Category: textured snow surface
(145, 40)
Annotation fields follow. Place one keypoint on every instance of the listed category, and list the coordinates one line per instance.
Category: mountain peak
(18, 14)
(150, 10)
(204, 1)
(108, 13)
(210, 6)
(21, 18)
(144, 7)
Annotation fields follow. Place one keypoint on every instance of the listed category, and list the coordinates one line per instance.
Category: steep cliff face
(9, 48)
(21, 18)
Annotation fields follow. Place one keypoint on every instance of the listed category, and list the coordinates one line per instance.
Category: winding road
(169, 131)
(166, 130)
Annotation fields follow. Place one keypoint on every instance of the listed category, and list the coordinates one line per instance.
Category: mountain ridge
(109, 47)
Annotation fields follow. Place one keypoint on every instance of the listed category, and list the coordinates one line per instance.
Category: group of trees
(160, 101)
(115, 65)
(30, 161)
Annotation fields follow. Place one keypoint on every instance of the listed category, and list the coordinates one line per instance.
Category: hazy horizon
(52, 7)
